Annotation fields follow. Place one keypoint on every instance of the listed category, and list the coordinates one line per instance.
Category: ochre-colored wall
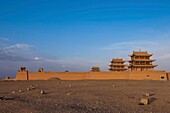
(60, 75)
(107, 75)
(148, 75)
(132, 75)
(21, 75)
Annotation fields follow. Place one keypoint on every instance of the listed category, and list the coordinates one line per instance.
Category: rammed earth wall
(132, 75)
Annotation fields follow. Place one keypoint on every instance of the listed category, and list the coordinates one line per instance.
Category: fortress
(140, 67)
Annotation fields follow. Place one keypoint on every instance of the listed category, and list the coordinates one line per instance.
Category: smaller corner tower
(95, 69)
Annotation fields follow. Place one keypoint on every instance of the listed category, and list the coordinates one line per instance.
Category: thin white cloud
(26, 55)
(37, 58)
(4, 39)
(17, 52)
(19, 46)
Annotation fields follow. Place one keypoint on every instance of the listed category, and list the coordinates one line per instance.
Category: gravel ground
(109, 96)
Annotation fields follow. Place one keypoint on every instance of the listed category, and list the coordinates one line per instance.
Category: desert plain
(86, 96)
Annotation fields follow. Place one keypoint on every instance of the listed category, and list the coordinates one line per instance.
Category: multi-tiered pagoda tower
(140, 61)
(117, 64)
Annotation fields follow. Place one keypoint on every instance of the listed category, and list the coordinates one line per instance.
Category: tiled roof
(142, 53)
(117, 60)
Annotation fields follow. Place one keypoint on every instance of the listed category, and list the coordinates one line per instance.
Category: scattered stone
(19, 91)
(68, 94)
(28, 89)
(147, 94)
(152, 93)
(32, 87)
(69, 86)
(13, 92)
(43, 92)
(1, 97)
(144, 101)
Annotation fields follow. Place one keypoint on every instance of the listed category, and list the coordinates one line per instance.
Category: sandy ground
(112, 96)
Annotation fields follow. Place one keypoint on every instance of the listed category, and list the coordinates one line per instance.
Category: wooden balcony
(140, 65)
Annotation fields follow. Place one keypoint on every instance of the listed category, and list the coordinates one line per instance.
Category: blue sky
(75, 35)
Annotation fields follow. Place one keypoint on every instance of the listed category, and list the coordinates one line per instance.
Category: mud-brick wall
(148, 75)
(60, 75)
(22, 75)
(107, 75)
(78, 75)
(132, 75)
